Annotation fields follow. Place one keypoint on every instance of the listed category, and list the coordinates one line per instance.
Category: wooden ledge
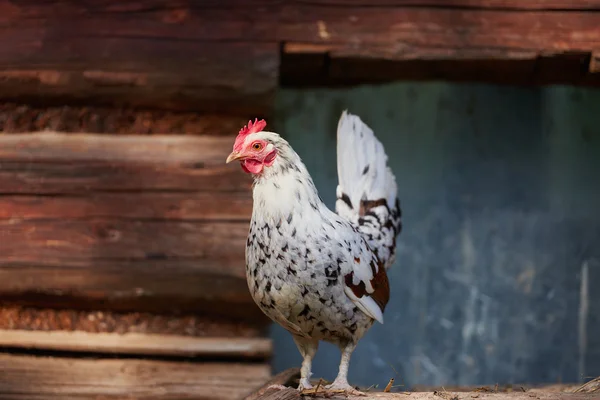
(289, 378)
(292, 394)
(138, 344)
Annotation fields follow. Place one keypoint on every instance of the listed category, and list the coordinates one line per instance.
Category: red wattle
(252, 166)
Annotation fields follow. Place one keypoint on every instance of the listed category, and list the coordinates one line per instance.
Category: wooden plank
(288, 377)
(27, 377)
(60, 241)
(168, 59)
(558, 5)
(431, 33)
(293, 394)
(216, 206)
(183, 286)
(188, 56)
(124, 222)
(339, 44)
(55, 163)
(358, 28)
(137, 344)
(114, 120)
(96, 321)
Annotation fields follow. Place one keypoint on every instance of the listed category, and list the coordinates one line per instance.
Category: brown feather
(380, 283)
(366, 205)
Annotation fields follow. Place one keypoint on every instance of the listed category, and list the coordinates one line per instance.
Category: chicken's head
(252, 149)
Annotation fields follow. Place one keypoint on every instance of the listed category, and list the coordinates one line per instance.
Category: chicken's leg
(341, 381)
(307, 349)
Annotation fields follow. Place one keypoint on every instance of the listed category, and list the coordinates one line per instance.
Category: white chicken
(319, 274)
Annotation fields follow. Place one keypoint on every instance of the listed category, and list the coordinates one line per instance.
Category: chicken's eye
(257, 146)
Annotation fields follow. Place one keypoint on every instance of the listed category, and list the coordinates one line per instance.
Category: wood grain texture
(288, 377)
(347, 43)
(144, 223)
(25, 118)
(558, 5)
(225, 55)
(193, 206)
(138, 53)
(36, 378)
(293, 394)
(138, 344)
(54, 163)
(96, 321)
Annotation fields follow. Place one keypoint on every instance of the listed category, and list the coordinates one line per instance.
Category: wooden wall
(122, 256)
(230, 55)
(121, 228)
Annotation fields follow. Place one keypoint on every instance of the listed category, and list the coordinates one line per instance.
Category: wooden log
(558, 5)
(88, 52)
(138, 344)
(95, 321)
(338, 44)
(226, 55)
(171, 206)
(54, 163)
(37, 378)
(19, 118)
(128, 223)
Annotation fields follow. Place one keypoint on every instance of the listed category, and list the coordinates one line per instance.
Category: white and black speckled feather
(322, 275)
(367, 191)
(299, 251)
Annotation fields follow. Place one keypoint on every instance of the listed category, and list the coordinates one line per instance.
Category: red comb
(257, 126)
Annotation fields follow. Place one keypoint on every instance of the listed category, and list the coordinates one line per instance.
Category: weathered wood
(182, 286)
(36, 378)
(137, 344)
(559, 5)
(66, 242)
(341, 45)
(187, 56)
(593, 386)
(284, 378)
(293, 394)
(18, 118)
(194, 206)
(595, 62)
(88, 52)
(148, 223)
(48, 163)
(96, 321)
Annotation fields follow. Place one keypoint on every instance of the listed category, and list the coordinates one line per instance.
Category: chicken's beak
(233, 156)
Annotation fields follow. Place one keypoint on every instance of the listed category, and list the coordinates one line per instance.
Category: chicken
(319, 274)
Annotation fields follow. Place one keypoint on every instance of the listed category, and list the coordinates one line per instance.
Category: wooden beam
(137, 344)
(225, 56)
(55, 163)
(25, 118)
(168, 206)
(546, 5)
(97, 321)
(338, 43)
(148, 223)
(170, 59)
(36, 378)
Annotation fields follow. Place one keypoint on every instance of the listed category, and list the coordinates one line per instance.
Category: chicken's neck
(286, 188)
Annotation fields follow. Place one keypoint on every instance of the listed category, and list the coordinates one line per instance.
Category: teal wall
(500, 190)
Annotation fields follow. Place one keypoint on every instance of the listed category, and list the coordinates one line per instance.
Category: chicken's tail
(367, 191)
